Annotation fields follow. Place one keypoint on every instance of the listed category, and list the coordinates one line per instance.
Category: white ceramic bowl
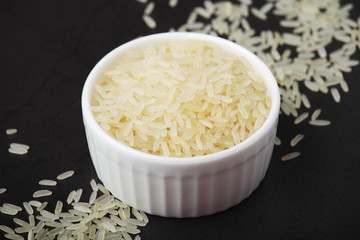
(181, 187)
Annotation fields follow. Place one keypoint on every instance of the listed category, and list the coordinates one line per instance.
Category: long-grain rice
(171, 108)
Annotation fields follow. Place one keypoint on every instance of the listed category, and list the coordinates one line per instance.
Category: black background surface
(47, 49)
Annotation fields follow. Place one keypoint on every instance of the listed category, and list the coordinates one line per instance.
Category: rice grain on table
(28, 208)
(12, 207)
(23, 229)
(149, 21)
(20, 222)
(46, 182)
(42, 206)
(94, 185)
(290, 156)
(2, 190)
(39, 226)
(6, 229)
(48, 214)
(11, 131)
(8, 211)
(41, 193)
(103, 189)
(301, 118)
(14, 236)
(149, 8)
(173, 3)
(65, 175)
(58, 207)
(315, 114)
(19, 148)
(296, 139)
(320, 122)
(70, 197)
(78, 194)
(335, 94)
(35, 203)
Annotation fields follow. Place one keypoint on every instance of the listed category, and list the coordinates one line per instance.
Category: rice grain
(6, 229)
(41, 193)
(149, 21)
(11, 131)
(12, 207)
(290, 156)
(65, 175)
(296, 139)
(320, 122)
(173, 3)
(28, 208)
(2, 190)
(47, 182)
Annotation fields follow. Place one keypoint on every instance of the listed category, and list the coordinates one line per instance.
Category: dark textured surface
(47, 49)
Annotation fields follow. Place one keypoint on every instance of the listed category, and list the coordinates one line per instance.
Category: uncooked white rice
(315, 114)
(48, 215)
(301, 118)
(6, 229)
(41, 193)
(35, 203)
(149, 21)
(94, 185)
(46, 182)
(65, 175)
(173, 3)
(257, 13)
(78, 194)
(296, 139)
(277, 141)
(290, 156)
(70, 197)
(103, 189)
(335, 94)
(12, 207)
(11, 131)
(42, 206)
(104, 212)
(28, 208)
(13, 236)
(19, 148)
(58, 207)
(8, 211)
(149, 8)
(319, 122)
(216, 108)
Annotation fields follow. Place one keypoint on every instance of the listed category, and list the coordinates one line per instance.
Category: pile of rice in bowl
(181, 99)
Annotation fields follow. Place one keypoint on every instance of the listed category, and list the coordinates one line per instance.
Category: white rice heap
(102, 217)
(181, 99)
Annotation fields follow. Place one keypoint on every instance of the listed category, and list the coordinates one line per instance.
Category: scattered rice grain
(296, 139)
(47, 182)
(149, 21)
(6, 229)
(290, 156)
(320, 122)
(28, 208)
(41, 193)
(11, 131)
(65, 175)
